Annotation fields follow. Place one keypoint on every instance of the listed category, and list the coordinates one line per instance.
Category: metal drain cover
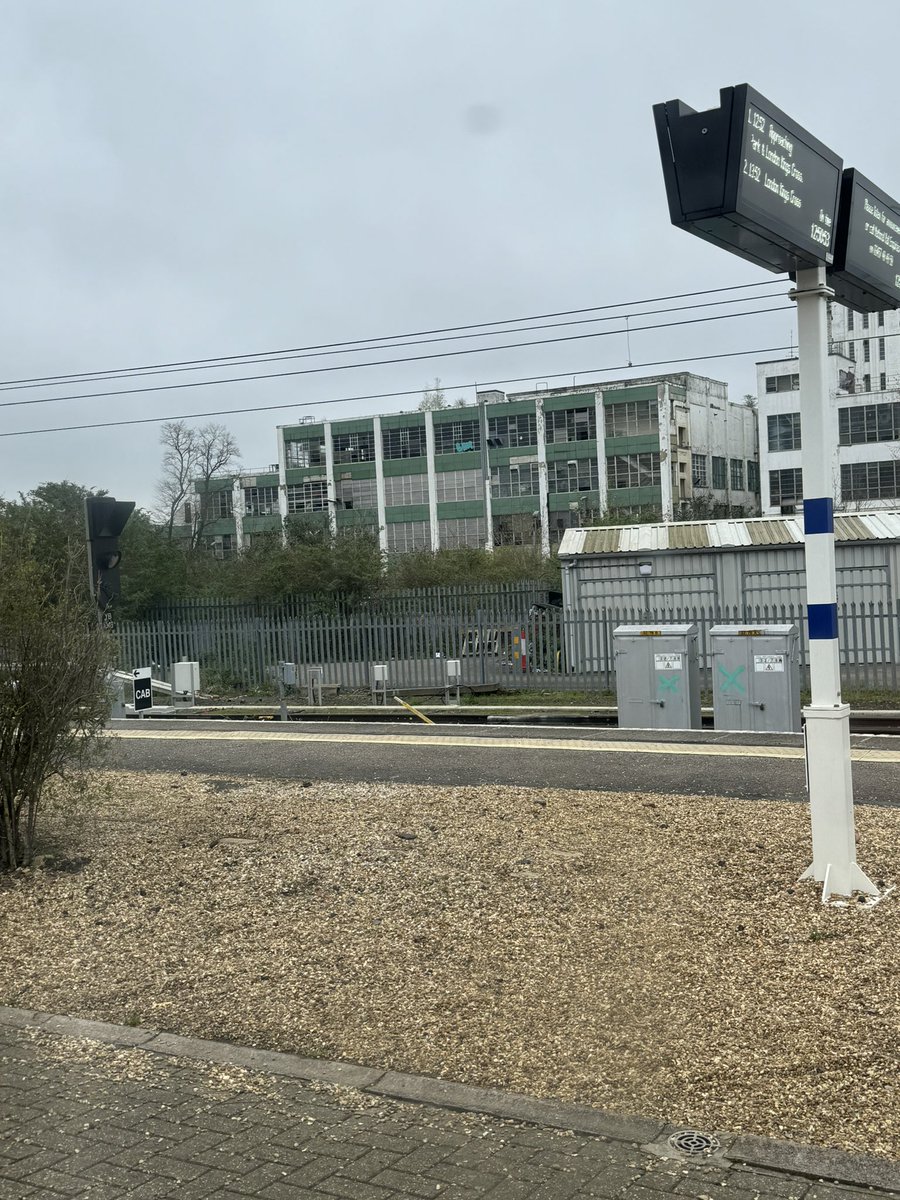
(692, 1141)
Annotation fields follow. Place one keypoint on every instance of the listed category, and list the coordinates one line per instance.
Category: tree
(192, 456)
(154, 567)
(51, 517)
(433, 398)
(54, 662)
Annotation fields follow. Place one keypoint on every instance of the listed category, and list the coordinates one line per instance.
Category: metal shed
(748, 570)
(756, 561)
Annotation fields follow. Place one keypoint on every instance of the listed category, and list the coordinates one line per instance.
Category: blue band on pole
(818, 516)
(823, 622)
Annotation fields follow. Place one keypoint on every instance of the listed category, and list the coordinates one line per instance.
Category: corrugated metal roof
(688, 537)
(851, 529)
(776, 531)
(700, 535)
(601, 541)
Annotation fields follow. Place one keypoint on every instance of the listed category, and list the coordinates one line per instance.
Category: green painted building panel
(625, 395)
(405, 466)
(365, 425)
(515, 504)
(503, 455)
(406, 512)
(301, 433)
(510, 408)
(403, 421)
(302, 474)
(269, 479)
(451, 509)
(568, 450)
(469, 460)
(561, 403)
(446, 416)
(348, 517)
(558, 500)
(364, 470)
(219, 484)
(634, 497)
(644, 443)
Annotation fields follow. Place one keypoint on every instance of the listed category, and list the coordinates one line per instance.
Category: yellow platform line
(460, 741)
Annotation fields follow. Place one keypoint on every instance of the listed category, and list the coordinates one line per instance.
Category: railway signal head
(105, 518)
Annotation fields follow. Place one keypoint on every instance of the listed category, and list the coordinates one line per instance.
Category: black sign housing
(746, 177)
(866, 273)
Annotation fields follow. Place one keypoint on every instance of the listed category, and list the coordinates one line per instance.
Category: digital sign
(746, 177)
(866, 273)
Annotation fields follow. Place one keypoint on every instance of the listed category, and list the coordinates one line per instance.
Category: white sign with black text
(766, 664)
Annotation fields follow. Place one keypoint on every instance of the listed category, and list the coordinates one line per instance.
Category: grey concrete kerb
(649, 1134)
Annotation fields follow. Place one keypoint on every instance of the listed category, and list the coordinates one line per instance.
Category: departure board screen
(786, 184)
(867, 262)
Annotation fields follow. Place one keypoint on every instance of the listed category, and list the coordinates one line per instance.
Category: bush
(54, 701)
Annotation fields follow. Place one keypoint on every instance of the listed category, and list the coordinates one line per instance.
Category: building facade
(512, 469)
(862, 413)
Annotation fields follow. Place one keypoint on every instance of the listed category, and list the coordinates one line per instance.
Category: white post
(543, 489)
(827, 718)
(379, 486)
(433, 527)
(330, 483)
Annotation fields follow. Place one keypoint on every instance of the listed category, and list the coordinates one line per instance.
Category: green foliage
(54, 660)
(506, 564)
(50, 520)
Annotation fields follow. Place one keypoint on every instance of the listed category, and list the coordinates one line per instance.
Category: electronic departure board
(746, 177)
(866, 272)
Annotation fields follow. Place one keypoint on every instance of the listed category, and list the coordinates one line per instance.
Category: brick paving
(83, 1119)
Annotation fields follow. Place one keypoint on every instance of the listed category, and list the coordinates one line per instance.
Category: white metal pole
(827, 717)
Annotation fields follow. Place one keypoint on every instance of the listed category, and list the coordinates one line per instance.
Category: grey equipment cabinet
(756, 677)
(657, 676)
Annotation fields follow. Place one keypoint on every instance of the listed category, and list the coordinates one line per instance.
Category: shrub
(54, 699)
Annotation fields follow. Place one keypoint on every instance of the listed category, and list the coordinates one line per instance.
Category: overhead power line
(454, 387)
(575, 337)
(262, 355)
(136, 373)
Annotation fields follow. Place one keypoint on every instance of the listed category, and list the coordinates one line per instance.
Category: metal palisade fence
(502, 639)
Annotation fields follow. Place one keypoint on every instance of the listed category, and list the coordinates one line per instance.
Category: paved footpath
(107, 1112)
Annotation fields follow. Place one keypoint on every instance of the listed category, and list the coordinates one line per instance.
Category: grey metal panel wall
(864, 573)
(772, 575)
(867, 572)
(677, 579)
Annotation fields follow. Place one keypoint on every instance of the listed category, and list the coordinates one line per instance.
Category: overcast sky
(191, 178)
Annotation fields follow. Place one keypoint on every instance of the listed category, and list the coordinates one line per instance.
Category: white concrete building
(863, 416)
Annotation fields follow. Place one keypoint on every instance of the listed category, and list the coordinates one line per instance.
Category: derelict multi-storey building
(511, 469)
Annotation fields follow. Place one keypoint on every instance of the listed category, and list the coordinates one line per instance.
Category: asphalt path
(753, 767)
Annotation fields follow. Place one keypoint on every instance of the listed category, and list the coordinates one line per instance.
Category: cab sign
(143, 688)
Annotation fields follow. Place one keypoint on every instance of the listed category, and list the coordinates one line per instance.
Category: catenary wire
(196, 383)
(264, 354)
(454, 387)
(137, 373)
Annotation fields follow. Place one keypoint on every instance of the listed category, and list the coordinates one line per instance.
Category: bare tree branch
(192, 457)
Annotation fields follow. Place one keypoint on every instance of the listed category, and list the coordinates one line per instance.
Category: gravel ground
(646, 954)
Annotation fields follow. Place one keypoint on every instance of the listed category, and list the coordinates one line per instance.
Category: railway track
(863, 721)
